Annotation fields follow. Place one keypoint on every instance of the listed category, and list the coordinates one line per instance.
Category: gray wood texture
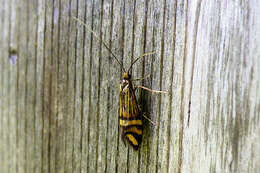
(59, 86)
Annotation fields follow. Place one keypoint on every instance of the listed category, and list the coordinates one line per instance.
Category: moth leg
(146, 117)
(150, 90)
(149, 119)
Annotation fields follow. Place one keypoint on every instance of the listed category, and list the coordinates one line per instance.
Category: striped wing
(130, 117)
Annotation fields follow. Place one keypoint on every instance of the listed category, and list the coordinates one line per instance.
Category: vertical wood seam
(57, 86)
(51, 90)
(2, 88)
(82, 89)
(170, 87)
(182, 90)
(67, 83)
(17, 87)
(43, 84)
(143, 72)
(145, 39)
(160, 86)
(75, 87)
(194, 53)
(2, 82)
(99, 82)
(153, 56)
(151, 77)
(26, 82)
(108, 98)
(8, 90)
(36, 86)
(89, 82)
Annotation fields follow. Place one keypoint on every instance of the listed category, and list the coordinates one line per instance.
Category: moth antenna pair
(117, 60)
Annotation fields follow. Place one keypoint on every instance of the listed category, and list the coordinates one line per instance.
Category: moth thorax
(126, 76)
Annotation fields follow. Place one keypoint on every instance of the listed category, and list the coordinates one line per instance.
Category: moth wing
(130, 117)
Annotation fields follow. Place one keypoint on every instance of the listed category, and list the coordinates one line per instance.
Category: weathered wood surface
(59, 100)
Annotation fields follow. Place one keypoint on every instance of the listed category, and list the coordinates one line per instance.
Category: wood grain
(59, 98)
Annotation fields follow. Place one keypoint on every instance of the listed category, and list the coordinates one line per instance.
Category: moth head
(126, 76)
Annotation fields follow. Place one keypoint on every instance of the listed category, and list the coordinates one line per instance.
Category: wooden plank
(21, 93)
(220, 64)
(115, 75)
(105, 77)
(47, 49)
(12, 57)
(156, 81)
(4, 87)
(62, 15)
(54, 120)
(166, 77)
(39, 126)
(59, 102)
(87, 87)
(95, 91)
(79, 53)
(31, 39)
(16, 45)
(71, 88)
(146, 97)
(7, 92)
(176, 90)
(1, 86)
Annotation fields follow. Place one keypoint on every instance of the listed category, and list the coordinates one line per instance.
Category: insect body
(130, 115)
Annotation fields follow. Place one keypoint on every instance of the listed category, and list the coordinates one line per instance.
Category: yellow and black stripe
(132, 131)
(130, 115)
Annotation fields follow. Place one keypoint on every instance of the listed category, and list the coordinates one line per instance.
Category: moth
(130, 116)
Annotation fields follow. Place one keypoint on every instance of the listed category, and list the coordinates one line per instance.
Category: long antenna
(81, 22)
(145, 54)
